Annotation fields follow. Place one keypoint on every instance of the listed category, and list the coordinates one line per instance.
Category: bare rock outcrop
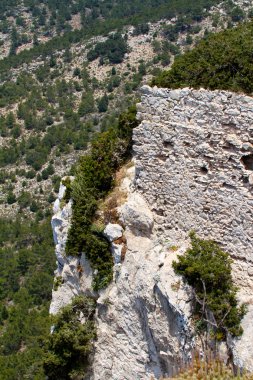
(194, 165)
(193, 154)
(143, 328)
(73, 275)
(142, 317)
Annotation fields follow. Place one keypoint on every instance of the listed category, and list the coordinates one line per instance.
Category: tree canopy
(221, 61)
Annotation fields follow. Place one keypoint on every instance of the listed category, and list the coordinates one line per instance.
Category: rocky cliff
(193, 162)
(194, 165)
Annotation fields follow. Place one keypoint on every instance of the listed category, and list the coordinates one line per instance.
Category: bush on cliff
(94, 179)
(207, 268)
(221, 61)
(68, 348)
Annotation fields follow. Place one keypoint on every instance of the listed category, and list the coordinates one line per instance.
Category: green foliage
(11, 198)
(114, 49)
(10, 92)
(70, 345)
(87, 104)
(34, 206)
(94, 178)
(222, 61)
(46, 106)
(207, 268)
(114, 82)
(56, 180)
(67, 183)
(49, 170)
(58, 281)
(26, 275)
(104, 17)
(103, 103)
(141, 29)
(24, 200)
(237, 14)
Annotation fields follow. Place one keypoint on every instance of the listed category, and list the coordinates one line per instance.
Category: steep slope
(55, 97)
(53, 100)
(142, 324)
(222, 61)
(192, 157)
(25, 24)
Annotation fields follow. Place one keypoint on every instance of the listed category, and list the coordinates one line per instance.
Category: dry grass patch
(209, 370)
(107, 210)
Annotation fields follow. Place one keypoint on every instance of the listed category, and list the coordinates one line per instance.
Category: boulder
(113, 231)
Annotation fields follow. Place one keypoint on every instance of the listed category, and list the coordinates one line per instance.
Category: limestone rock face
(193, 154)
(143, 327)
(73, 275)
(136, 215)
(113, 231)
(142, 318)
(194, 166)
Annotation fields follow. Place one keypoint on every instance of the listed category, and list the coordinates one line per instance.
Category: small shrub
(24, 200)
(11, 198)
(113, 49)
(51, 198)
(68, 348)
(67, 183)
(34, 207)
(207, 268)
(103, 103)
(58, 281)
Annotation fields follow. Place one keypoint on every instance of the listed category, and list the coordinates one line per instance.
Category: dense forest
(221, 61)
(26, 279)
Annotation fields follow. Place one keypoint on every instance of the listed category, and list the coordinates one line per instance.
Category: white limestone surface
(194, 166)
(193, 153)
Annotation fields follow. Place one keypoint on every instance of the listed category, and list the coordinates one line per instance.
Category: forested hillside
(42, 20)
(68, 70)
(221, 61)
(26, 279)
(67, 90)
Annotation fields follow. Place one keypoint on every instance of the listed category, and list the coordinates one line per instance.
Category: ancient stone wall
(194, 163)
(193, 169)
(194, 166)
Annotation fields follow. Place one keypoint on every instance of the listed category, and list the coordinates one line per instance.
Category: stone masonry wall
(194, 163)
(194, 166)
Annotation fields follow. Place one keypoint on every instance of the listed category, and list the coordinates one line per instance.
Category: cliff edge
(193, 170)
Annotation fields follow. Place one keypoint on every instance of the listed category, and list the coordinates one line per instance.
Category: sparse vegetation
(94, 178)
(209, 370)
(52, 105)
(207, 269)
(113, 49)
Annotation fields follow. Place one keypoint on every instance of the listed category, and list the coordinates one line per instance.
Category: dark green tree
(207, 269)
(87, 104)
(103, 103)
(68, 348)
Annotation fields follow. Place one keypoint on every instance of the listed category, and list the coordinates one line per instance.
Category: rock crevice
(193, 170)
